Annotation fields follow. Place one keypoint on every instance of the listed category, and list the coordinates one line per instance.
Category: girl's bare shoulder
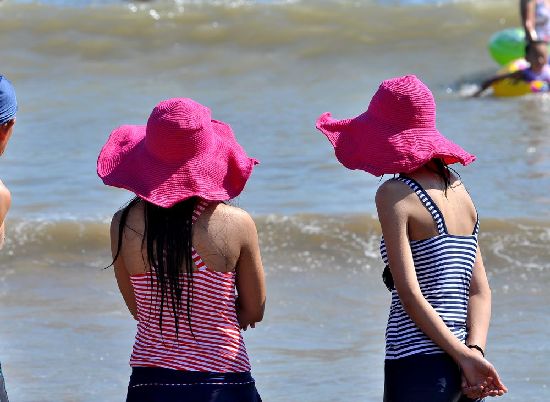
(228, 227)
(134, 220)
(392, 191)
(231, 215)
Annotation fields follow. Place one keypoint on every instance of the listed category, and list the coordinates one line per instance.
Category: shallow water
(268, 68)
(68, 333)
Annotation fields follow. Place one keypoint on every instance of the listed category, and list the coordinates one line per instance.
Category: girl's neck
(429, 169)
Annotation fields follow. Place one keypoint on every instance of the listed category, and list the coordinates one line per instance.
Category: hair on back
(168, 240)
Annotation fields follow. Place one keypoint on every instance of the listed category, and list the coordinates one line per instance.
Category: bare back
(226, 240)
(217, 238)
(456, 206)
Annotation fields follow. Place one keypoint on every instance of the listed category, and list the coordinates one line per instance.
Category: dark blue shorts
(3, 393)
(421, 378)
(156, 384)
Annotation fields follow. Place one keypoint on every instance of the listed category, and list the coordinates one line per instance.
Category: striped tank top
(443, 266)
(218, 345)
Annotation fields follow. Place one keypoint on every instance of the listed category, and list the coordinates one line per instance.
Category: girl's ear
(5, 133)
(6, 126)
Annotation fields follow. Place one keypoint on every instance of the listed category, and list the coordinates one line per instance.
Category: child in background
(536, 54)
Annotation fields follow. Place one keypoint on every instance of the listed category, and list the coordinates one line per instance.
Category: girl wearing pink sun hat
(441, 301)
(187, 265)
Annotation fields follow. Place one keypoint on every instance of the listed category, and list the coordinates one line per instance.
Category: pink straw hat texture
(397, 133)
(180, 153)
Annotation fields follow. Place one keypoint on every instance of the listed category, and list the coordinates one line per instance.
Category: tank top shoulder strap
(476, 227)
(427, 201)
(199, 209)
(200, 206)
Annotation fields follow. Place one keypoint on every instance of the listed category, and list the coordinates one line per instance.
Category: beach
(268, 68)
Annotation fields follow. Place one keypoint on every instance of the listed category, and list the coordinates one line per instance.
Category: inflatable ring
(508, 45)
(510, 87)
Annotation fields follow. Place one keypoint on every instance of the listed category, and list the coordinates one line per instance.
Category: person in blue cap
(8, 109)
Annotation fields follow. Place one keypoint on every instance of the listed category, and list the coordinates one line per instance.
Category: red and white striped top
(218, 345)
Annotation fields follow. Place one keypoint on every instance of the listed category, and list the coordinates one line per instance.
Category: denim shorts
(421, 378)
(156, 384)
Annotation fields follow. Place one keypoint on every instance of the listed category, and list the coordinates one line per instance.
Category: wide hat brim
(218, 172)
(375, 147)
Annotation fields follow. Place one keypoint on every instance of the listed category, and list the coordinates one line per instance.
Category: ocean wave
(298, 242)
(241, 3)
(313, 27)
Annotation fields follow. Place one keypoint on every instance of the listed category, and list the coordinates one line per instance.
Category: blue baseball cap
(8, 101)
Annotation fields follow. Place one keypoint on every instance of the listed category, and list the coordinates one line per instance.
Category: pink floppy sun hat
(396, 134)
(180, 153)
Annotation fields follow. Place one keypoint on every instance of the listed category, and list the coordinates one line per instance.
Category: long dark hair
(443, 171)
(168, 238)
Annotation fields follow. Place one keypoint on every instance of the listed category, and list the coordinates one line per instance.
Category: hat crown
(403, 103)
(8, 100)
(176, 128)
(180, 153)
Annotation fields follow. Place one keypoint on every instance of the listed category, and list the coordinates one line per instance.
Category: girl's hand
(244, 321)
(480, 378)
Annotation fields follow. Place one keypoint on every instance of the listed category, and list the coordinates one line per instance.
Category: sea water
(268, 68)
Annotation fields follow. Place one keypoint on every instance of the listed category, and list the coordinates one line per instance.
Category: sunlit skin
(6, 130)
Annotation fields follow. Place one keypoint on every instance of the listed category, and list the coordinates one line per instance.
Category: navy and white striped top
(443, 267)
